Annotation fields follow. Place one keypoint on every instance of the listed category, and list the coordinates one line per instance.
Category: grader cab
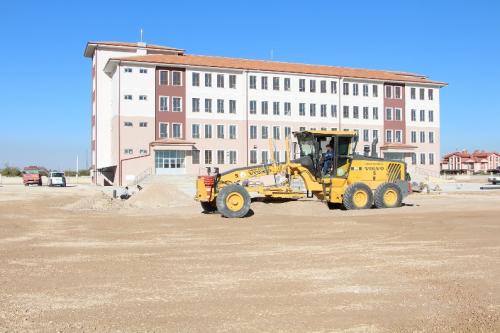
(328, 167)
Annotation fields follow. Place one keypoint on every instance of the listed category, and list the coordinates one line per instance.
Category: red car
(31, 175)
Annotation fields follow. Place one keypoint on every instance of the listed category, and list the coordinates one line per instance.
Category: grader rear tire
(209, 207)
(233, 201)
(358, 196)
(388, 195)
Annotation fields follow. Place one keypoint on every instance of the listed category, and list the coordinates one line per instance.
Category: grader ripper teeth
(339, 177)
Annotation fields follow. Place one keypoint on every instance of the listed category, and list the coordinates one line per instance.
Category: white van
(57, 179)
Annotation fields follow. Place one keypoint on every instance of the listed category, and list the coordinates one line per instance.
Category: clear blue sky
(45, 80)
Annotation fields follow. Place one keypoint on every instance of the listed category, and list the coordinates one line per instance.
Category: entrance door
(170, 162)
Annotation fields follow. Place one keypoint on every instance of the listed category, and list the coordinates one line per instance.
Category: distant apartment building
(156, 109)
(463, 162)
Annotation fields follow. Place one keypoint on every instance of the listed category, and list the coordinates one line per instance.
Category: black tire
(349, 200)
(382, 190)
(208, 207)
(240, 193)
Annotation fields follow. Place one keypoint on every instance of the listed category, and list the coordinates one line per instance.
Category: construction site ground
(72, 259)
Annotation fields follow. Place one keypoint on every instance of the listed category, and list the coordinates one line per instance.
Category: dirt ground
(74, 260)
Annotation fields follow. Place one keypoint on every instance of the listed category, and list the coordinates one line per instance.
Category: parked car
(494, 179)
(32, 176)
(57, 178)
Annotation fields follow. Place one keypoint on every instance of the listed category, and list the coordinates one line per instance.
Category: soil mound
(95, 201)
(160, 195)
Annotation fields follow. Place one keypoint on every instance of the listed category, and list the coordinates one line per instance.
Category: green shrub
(10, 171)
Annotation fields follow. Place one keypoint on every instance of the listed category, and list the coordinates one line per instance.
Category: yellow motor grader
(349, 180)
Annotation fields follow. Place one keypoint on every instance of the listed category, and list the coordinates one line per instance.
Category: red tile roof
(90, 45)
(275, 66)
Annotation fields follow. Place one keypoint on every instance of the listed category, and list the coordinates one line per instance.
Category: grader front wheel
(233, 201)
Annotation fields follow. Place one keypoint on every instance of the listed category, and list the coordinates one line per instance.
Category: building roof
(275, 66)
(89, 49)
(476, 156)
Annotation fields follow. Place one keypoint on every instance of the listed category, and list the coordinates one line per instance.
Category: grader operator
(329, 169)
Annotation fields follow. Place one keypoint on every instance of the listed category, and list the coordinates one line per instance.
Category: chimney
(141, 48)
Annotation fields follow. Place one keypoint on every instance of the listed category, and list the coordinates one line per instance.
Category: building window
(127, 124)
(413, 137)
(208, 80)
(355, 89)
(128, 151)
(333, 111)
(264, 132)
(195, 131)
(163, 103)
(312, 85)
(276, 156)
(355, 112)
(431, 159)
(177, 104)
(253, 156)
(431, 137)
(397, 114)
(220, 106)
(276, 108)
(430, 96)
(302, 85)
(208, 105)
(276, 83)
(288, 131)
(375, 90)
(287, 84)
(253, 107)
(143, 124)
(220, 80)
(232, 106)
(208, 157)
(232, 132)
(388, 114)
(422, 158)
(263, 82)
(143, 151)
(312, 110)
(195, 159)
(375, 113)
(431, 116)
(322, 86)
(366, 135)
(345, 89)
(397, 92)
(288, 109)
(220, 156)
(374, 134)
(388, 136)
(365, 90)
(195, 77)
(264, 157)
(422, 115)
(302, 129)
(232, 81)
(422, 137)
(163, 78)
(413, 115)
(176, 130)
(276, 132)
(253, 82)
(346, 112)
(127, 70)
(196, 104)
(208, 131)
(232, 157)
(413, 158)
(413, 93)
(176, 78)
(365, 112)
(143, 71)
(397, 137)
(333, 87)
(143, 97)
(128, 97)
(253, 132)
(220, 131)
(323, 111)
(422, 93)
(163, 130)
(302, 109)
(264, 108)
(388, 91)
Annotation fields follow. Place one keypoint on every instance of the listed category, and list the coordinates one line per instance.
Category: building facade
(158, 110)
(463, 162)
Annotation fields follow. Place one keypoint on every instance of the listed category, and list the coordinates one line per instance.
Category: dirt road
(296, 266)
